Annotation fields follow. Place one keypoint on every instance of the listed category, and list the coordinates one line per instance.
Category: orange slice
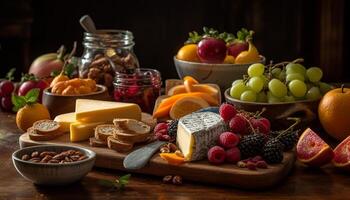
(187, 105)
(172, 158)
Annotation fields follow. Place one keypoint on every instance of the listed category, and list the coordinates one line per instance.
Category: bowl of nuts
(53, 164)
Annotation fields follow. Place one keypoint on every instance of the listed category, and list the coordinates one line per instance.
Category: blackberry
(172, 128)
(272, 151)
(289, 139)
(251, 145)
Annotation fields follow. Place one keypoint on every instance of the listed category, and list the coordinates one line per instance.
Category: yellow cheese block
(82, 131)
(87, 110)
(65, 120)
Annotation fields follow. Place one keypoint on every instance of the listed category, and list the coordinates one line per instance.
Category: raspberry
(266, 122)
(228, 140)
(261, 164)
(161, 126)
(238, 125)
(260, 126)
(163, 132)
(233, 155)
(216, 155)
(227, 111)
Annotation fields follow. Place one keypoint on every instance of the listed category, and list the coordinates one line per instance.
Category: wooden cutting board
(202, 171)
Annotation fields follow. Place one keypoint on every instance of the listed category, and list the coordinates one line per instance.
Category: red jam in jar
(142, 88)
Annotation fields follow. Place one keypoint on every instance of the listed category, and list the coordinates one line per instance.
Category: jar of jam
(142, 87)
(105, 53)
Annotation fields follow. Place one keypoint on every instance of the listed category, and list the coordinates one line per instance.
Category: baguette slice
(117, 145)
(97, 143)
(46, 127)
(132, 126)
(34, 135)
(103, 131)
(131, 138)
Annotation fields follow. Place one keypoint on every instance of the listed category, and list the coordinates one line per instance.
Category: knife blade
(140, 157)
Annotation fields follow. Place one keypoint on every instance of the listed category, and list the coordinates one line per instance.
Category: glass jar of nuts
(105, 53)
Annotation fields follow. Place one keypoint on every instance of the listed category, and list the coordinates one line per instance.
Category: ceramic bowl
(53, 173)
(221, 74)
(59, 104)
(278, 113)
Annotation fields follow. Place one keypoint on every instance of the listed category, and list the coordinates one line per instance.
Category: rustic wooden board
(196, 171)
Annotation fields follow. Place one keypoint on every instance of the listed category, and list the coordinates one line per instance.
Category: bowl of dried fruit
(58, 101)
(53, 164)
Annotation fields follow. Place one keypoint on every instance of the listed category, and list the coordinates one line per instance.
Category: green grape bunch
(281, 82)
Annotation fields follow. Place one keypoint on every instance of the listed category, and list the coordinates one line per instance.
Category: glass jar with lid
(105, 53)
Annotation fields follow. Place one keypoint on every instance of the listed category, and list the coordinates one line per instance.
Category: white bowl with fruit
(285, 90)
(215, 57)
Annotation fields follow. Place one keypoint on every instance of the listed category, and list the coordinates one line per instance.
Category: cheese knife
(140, 157)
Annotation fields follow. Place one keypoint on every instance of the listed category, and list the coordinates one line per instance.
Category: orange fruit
(342, 154)
(188, 53)
(229, 59)
(312, 150)
(250, 56)
(187, 105)
(29, 114)
(334, 113)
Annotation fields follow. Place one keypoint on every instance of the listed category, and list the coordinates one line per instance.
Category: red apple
(236, 48)
(212, 50)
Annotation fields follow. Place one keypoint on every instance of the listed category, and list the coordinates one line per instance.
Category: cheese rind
(65, 120)
(82, 131)
(87, 110)
(198, 132)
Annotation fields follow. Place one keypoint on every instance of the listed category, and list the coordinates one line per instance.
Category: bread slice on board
(132, 126)
(46, 127)
(97, 143)
(103, 131)
(34, 135)
(118, 145)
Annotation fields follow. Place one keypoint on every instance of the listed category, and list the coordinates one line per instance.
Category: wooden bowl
(220, 74)
(59, 104)
(278, 113)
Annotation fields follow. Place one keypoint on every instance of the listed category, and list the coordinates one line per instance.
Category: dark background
(284, 30)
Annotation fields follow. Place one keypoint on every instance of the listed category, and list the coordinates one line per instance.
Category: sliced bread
(34, 135)
(131, 138)
(132, 126)
(97, 143)
(47, 127)
(118, 145)
(103, 131)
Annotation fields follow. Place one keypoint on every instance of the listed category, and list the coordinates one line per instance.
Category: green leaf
(54, 73)
(28, 77)
(69, 69)
(123, 181)
(9, 75)
(18, 102)
(32, 95)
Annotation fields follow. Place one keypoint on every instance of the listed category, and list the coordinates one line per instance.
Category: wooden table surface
(302, 183)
